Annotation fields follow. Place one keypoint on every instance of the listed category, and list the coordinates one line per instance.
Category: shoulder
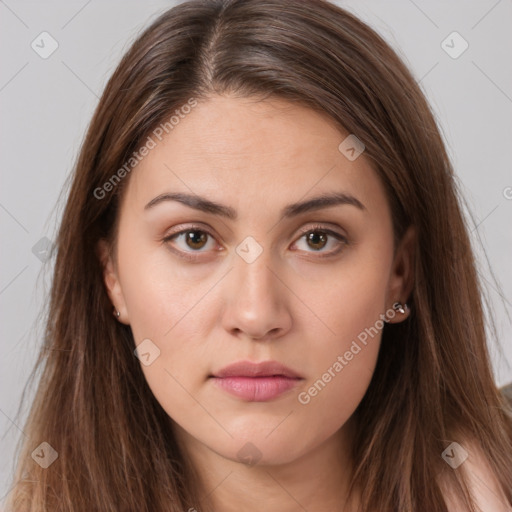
(481, 480)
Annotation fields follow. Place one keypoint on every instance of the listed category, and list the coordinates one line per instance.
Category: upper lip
(262, 369)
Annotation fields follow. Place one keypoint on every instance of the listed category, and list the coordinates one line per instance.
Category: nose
(256, 300)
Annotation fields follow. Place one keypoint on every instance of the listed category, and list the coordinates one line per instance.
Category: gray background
(46, 104)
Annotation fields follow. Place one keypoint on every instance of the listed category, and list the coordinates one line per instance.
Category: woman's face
(261, 272)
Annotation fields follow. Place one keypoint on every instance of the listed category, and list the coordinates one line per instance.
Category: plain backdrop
(46, 105)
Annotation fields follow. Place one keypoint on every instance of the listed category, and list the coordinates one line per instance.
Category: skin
(289, 305)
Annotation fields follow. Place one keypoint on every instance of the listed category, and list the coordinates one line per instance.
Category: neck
(317, 481)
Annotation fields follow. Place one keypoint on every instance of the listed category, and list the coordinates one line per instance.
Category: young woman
(264, 201)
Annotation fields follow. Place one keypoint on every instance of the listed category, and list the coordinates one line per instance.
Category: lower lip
(256, 389)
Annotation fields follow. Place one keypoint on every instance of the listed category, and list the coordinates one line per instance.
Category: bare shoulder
(484, 486)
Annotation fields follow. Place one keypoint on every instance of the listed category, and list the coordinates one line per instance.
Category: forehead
(250, 153)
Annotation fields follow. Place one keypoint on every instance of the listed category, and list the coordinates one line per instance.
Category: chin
(260, 448)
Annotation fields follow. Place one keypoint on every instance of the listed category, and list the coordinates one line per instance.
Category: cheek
(169, 308)
(342, 360)
(157, 293)
(165, 308)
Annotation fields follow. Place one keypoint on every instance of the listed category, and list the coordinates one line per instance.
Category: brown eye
(196, 239)
(316, 240)
(190, 240)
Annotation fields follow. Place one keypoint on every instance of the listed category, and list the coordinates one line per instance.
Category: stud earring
(397, 306)
(116, 313)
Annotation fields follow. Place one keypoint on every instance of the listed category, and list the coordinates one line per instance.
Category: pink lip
(256, 382)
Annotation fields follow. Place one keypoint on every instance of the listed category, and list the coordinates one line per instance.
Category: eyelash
(312, 229)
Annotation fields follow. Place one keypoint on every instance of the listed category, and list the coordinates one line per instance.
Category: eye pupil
(314, 236)
(197, 240)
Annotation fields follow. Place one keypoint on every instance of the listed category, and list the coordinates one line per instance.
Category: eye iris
(314, 236)
(196, 238)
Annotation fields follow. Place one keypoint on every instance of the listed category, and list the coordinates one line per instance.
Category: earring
(116, 313)
(397, 306)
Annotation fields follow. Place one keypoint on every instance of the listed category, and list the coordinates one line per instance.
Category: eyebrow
(205, 205)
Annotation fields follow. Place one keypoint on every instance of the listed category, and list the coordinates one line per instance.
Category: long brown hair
(432, 384)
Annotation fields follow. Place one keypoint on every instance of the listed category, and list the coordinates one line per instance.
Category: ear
(401, 279)
(111, 280)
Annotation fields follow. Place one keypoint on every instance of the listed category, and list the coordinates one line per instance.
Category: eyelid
(193, 226)
(322, 227)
